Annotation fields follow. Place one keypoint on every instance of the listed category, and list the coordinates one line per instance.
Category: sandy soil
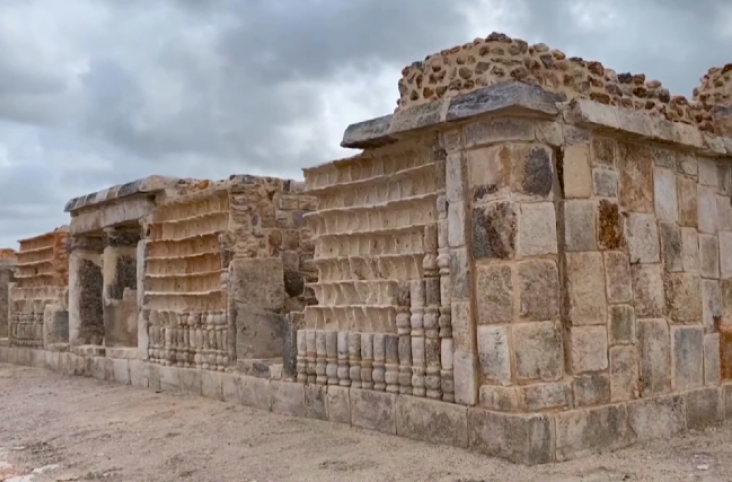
(95, 430)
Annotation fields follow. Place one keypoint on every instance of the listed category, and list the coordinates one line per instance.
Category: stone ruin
(531, 258)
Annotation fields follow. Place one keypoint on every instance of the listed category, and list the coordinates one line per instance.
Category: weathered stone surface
(621, 330)
(591, 389)
(603, 151)
(460, 274)
(707, 209)
(709, 256)
(704, 408)
(338, 404)
(725, 352)
(498, 398)
(121, 370)
(516, 96)
(712, 369)
(538, 351)
(727, 400)
(617, 278)
(726, 289)
(655, 356)
(636, 177)
(169, 379)
(642, 238)
(688, 209)
(579, 226)
(683, 297)
(456, 224)
(211, 385)
(605, 183)
(497, 130)
(494, 230)
(190, 381)
(711, 295)
(539, 282)
(610, 231)
(489, 173)
(287, 398)
(373, 410)
(494, 353)
(538, 229)
(417, 116)
(546, 396)
(671, 250)
(724, 213)
(687, 357)
(654, 418)
(586, 286)
(623, 373)
(708, 172)
(494, 293)
(665, 194)
(532, 174)
(588, 431)
(432, 421)
(588, 349)
(648, 290)
(256, 392)
(523, 439)
(315, 404)
(725, 254)
(690, 249)
(368, 134)
(577, 173)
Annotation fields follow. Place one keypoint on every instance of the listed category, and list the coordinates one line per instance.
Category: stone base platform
(529, 439)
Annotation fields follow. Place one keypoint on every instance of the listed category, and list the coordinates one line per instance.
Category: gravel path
(72, 428)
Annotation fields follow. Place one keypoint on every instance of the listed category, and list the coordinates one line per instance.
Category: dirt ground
(80, 429)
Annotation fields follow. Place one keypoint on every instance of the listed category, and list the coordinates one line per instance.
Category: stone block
(724, 213)
(704, 408)
(537, 229)
(712, 369)
(579, 226)
(338, 404)
(98, 370)
(688, 202)
(622, 325)
(593, 389)
(538, 351)
(259, 393)
(500, 399)
(683, 297)
(586, 286)
(711, 300)
(610, 231)
(211, 385)
(687, 357)
(465, 375)
(671, 249)
(456, 224)
(577, 173)
(545, 396)
(726, 294)
(588, 349)
(655, 356)
(169, 379)
(708, 174)
(648, 290)
(121, 370)
(665, 194)
(494, 293)
(725, 352)
(688, 164)
(139, 373)
(603, 151)
(709, 256)
(636, 177)
(455, 177)
(532, 173)
(494, 353)
(623, 373)
(690, 249)
(617, 278)
(189, 380)
(659, 417)
(287, 398)
(605, 183)
(494, 228)
(642, 238)
(539, 298)
(498, 130)
(432, 421)
(230, 388)
(460, 274)
(373, 410)
(315, 404)
(707, 209)
(725, 254)
(489, 173)
(522, 439)
(154, 377)
(588, 431)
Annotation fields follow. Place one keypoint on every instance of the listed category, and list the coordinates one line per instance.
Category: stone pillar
(143, 316)
(86, 283)
(404, 332)
(432, 314)
(120, 271)
(6, 278)
(443, 262)
(418, 342)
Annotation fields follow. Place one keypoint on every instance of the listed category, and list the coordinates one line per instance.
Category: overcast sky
(100, 92)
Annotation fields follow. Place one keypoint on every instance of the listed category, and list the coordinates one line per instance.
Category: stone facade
(7, 276)
(529, 258)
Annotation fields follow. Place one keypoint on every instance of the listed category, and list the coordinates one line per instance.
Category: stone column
(143, 316)
(86, 283)
(432, 343)
(6, 277)
(120, 272)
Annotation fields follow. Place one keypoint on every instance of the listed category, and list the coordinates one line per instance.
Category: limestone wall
(40, 289)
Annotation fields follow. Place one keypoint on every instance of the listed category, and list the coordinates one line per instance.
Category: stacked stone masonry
(530, 258)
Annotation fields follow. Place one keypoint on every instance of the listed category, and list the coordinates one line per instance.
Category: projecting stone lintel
(124, 211)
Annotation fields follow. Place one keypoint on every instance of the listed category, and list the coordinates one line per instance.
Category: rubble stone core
(531, 265)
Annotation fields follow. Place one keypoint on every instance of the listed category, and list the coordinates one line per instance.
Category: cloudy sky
(100, 92)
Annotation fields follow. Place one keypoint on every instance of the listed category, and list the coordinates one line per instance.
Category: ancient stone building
(7, 276)
(530, 258)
